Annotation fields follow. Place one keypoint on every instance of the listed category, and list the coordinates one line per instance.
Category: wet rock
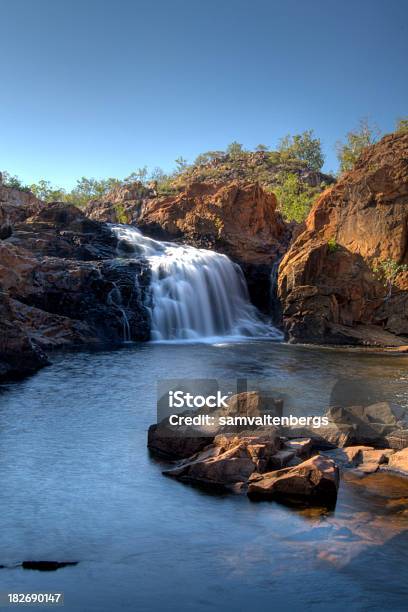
(399, 461)
(181, 443)
(47, 566)
(365, 459)
(228, 461)
(368, 424)
(314, 482)
(64, 286)
(19, 357)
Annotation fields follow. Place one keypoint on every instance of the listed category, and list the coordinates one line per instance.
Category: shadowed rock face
(63, 286)
(315, 480)
(15, 206)
(19, 356)
(326, 282)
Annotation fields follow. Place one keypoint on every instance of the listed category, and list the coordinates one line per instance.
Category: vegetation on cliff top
(292, 171)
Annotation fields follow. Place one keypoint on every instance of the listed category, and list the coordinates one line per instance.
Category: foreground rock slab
(315, 481)
(229, 461)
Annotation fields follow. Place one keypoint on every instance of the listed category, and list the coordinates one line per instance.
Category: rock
(368, 424)
(63, 286)
(228, 461)
(238, 220)
(326, 283)
(314, 482)
(369, 461)
(397, 439)
(325, 437)
(251, 404)
(123, 204)
(180, 442)
(46, 566)
(164, 440)
(364, 458)
(19, 357)
(62, 230)
(399, 461)
(16, 206)
(301, 446)
(49, 331)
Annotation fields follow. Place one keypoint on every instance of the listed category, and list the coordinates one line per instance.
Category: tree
(304, 147)
(13, 181)
(387, 271)
(138, 176)
(402, 125)
(235, 149)
(208, 156)
(356, 141)
(181, 164)
(46, 192)
(294, 198)
(261, 147)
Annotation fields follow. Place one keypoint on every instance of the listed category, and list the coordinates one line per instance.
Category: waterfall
(196, 294)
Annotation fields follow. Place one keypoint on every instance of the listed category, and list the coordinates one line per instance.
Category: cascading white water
(196, 294)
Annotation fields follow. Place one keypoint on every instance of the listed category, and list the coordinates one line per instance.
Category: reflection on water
(77, 483)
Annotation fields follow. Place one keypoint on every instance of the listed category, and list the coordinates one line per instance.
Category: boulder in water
(315, 482)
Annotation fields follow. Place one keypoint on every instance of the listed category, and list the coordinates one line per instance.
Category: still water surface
(77, 483)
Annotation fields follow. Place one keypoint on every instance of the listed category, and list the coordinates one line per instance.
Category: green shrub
(295, 199)
(332, 245)
(387, 272)
(356, 141)
(402, 125)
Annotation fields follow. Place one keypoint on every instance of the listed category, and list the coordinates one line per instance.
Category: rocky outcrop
(229, 461)
(327, 286)
(63, 286)
(314, 481)
(15, 206)
(238, 220)
(380, 425)
(183, 441)
(365, 459)
(123, 204)
(287, 464)
(19, 356)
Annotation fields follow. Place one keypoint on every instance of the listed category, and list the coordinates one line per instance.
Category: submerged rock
(315, 481)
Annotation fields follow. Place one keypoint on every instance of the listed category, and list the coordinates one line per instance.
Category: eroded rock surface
(314, 481)
(62, 284)
(327, 286)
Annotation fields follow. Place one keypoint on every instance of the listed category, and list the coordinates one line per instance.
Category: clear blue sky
(99, 88)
